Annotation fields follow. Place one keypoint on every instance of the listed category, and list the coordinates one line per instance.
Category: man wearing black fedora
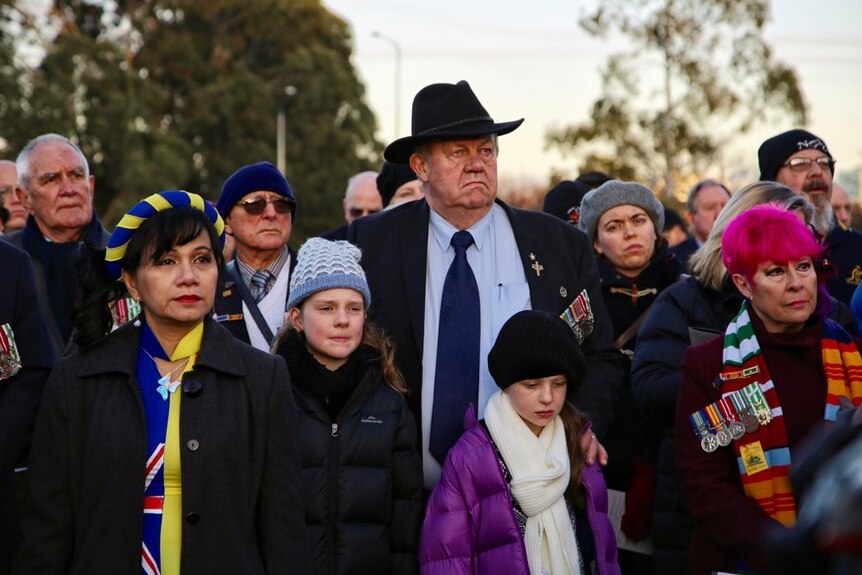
(447, 271)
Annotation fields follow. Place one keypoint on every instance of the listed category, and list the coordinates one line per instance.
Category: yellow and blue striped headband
(142, 211)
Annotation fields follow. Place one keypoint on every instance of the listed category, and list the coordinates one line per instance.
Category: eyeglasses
(359, 212)
(804, 164)
(257, 206)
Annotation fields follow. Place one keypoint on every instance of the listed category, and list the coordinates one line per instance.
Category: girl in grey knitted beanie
(358, 438)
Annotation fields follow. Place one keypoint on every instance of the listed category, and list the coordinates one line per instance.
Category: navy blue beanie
(256, 177)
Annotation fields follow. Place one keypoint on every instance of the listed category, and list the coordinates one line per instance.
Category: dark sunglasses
(257, 206)
(358, 213)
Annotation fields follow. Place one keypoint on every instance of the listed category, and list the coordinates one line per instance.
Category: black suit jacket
(683, 251)
(394, 255)
(229, 303)
(20, 394)
(339, 233)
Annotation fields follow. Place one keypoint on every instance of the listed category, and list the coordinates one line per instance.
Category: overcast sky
(532, 60)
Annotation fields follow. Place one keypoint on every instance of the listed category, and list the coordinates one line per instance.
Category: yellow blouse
(172, 513)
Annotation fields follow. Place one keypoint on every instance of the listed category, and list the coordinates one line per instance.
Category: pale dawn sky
(532, 60)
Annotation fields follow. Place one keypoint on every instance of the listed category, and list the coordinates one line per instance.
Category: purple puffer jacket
(470, 526)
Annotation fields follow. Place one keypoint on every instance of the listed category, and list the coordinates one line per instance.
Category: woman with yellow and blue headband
(165, 446)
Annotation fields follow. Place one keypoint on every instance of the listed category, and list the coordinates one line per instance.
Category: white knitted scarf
(540, 476)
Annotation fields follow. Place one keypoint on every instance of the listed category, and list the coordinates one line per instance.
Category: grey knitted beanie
(616, 193)
(321, 265)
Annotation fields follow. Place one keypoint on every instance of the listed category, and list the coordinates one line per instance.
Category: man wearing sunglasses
(258, 208)
(361, 198)
(801, 161)
(8, 197)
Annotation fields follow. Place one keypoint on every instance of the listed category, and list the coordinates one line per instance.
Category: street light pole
(280, 121)
(279, 140)
(397, 47)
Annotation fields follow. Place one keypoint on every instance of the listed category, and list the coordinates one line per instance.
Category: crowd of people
(445, 384)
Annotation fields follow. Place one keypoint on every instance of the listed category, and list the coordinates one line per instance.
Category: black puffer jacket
(662, 341)
(361, 468)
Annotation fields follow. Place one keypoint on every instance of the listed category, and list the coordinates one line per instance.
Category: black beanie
(564, 201)
(672, 219)
(534, 344)
(775, 151)
(391, 177)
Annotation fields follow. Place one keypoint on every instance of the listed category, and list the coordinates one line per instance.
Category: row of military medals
(10, 359)
(731, 417)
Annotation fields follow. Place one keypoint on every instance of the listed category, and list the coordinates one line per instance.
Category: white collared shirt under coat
(503, 291)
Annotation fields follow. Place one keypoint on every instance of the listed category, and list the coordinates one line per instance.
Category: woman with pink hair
(749, 396)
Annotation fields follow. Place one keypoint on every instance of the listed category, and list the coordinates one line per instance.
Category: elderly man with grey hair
(8, 198)
(705, 200)
(841, 204)
(56, 188)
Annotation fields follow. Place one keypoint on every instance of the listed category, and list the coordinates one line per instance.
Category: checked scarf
(769, 484)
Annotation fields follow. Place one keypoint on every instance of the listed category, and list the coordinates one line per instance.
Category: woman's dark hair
(574, 422)
(156, 236)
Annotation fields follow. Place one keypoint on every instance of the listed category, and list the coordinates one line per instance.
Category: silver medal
(709, 443)
(737, 430)
(9, 365)
(723, 437)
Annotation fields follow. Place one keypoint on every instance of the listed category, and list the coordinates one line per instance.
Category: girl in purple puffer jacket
(515, 496)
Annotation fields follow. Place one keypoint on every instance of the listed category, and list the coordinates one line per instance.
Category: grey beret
(616, 193)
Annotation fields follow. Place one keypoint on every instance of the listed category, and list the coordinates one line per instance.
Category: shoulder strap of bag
(242, 289)
(631, 331)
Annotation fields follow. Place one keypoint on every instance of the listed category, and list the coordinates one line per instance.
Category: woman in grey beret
(624, 221)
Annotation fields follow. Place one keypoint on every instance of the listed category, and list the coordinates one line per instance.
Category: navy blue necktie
(456, 384)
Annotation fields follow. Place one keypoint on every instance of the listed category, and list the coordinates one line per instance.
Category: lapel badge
(563, 291)
(537, 267)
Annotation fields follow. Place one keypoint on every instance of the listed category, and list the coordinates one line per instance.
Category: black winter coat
(21, 393)
(629, 435)
(662, 341)
(361, 471)
(242, 511)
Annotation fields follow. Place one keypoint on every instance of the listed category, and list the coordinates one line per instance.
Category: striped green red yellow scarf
(764, 456)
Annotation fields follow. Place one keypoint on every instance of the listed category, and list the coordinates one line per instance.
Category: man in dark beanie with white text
(801, 161)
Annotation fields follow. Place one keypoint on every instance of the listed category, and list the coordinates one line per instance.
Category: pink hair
(766, 233)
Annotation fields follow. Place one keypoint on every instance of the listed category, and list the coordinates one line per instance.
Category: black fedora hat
(442, 111)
